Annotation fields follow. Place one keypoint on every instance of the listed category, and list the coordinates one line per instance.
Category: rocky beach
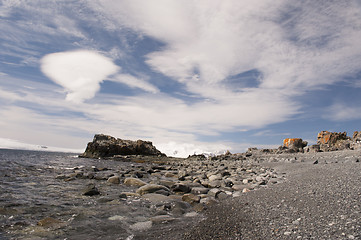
(122, 189)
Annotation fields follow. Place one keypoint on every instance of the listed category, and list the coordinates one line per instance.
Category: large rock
(104, 146)
(295, 144)
(333, 141)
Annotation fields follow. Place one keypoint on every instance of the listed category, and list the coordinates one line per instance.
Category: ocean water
(35, 203)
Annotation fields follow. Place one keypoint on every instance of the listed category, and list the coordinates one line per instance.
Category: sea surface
(35, 203)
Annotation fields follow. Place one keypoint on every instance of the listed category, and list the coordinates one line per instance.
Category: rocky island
(104, 146)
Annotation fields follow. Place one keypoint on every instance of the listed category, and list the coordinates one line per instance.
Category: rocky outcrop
(294, 144)
(333, 141)
(357, 137)
(104, 146)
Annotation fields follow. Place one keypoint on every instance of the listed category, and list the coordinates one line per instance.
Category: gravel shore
(320, 199)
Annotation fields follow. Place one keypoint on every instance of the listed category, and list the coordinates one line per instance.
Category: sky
(190, 76)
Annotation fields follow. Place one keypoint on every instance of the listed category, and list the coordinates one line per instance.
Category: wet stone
(90, 190)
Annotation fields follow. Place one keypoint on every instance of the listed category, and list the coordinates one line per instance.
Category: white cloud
(342, 112)
(314, 46)
(134, 82)
(79, 72)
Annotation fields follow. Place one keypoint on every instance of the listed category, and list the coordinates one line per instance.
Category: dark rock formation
(104, 146)
(333, 141)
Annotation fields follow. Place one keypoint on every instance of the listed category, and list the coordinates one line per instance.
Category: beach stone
(199, 207)
(227, 183)
(214, 178)
(170, 175)
(214, 192)
(89, 175)
(165, 183)
(199, 190)
(134, 182)
(156, 198)
(245, 190)
(209, 201)
(117, 218)
(151, 188)
(106, 199)
(221, 196)
(90, 190)
(179, 207)
(191, 198)
(123, 196)
(114, 180)
(179, 187)
(238, 187)
(215, 184)
(163, 192)
(246, 181)
(156, 174)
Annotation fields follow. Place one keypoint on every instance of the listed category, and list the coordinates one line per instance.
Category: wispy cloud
(342, 112)
(295, 47)
(134, 82)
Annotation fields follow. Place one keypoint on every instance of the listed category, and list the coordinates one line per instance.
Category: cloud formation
(134, 82)
(79, 72)
(199, 49)
(295, 45)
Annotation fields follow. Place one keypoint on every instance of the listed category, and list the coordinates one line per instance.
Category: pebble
(114, 180)
(90, 190)
(151, 188)
(134, 182)
(287, 233)
(191, 198)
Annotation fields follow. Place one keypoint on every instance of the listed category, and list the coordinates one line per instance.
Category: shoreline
(194, 198)
(316, 201)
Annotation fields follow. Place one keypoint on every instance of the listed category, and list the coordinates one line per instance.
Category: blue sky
(191, 76)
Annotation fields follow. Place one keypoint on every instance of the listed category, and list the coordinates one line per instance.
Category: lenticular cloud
(79, 72)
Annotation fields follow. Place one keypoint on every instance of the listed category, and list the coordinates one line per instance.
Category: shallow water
(35, 204)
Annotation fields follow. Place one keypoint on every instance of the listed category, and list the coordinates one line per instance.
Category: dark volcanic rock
(104, 146)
